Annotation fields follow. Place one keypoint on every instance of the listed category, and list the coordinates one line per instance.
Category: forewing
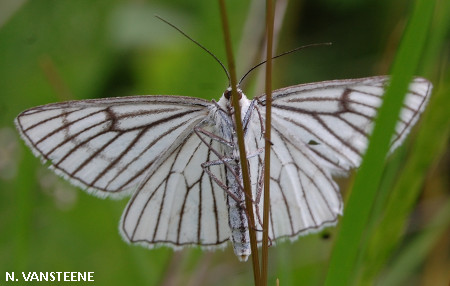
(334, 118)
(180, 204)
(318, 130)
(107, 145)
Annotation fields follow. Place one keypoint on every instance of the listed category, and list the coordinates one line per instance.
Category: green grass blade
(391, 225)
(432, 138)
(405, 265)
(360, 203)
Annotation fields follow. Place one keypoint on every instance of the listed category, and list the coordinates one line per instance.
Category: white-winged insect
(178, 157)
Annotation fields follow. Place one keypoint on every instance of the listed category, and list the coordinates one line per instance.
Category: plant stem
(267, 145)
(241, 143)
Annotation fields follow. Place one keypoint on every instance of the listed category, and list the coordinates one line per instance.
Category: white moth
(178, 157)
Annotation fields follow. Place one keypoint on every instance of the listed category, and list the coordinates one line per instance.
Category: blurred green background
(59, 50)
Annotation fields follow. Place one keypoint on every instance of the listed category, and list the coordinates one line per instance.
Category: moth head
(227, 93)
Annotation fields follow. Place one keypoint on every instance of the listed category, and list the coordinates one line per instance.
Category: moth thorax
(228, 93)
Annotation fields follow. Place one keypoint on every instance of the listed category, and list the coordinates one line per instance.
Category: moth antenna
(282, 54)
(198, 44)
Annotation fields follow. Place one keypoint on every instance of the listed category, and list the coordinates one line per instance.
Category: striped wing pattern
(179, 204)
(108, 146)
(303, 196)
(335, 118)
(146, 145)
(319, 130)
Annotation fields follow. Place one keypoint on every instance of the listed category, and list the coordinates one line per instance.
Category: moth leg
(199, 130)
(224, 187)
(248, 115)
(226, 115)
(256, 153)
(217, 181)
(216, 162)
(259, 191)
(261, 121)
(222, 159)
(225, 161)
(257, 200)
